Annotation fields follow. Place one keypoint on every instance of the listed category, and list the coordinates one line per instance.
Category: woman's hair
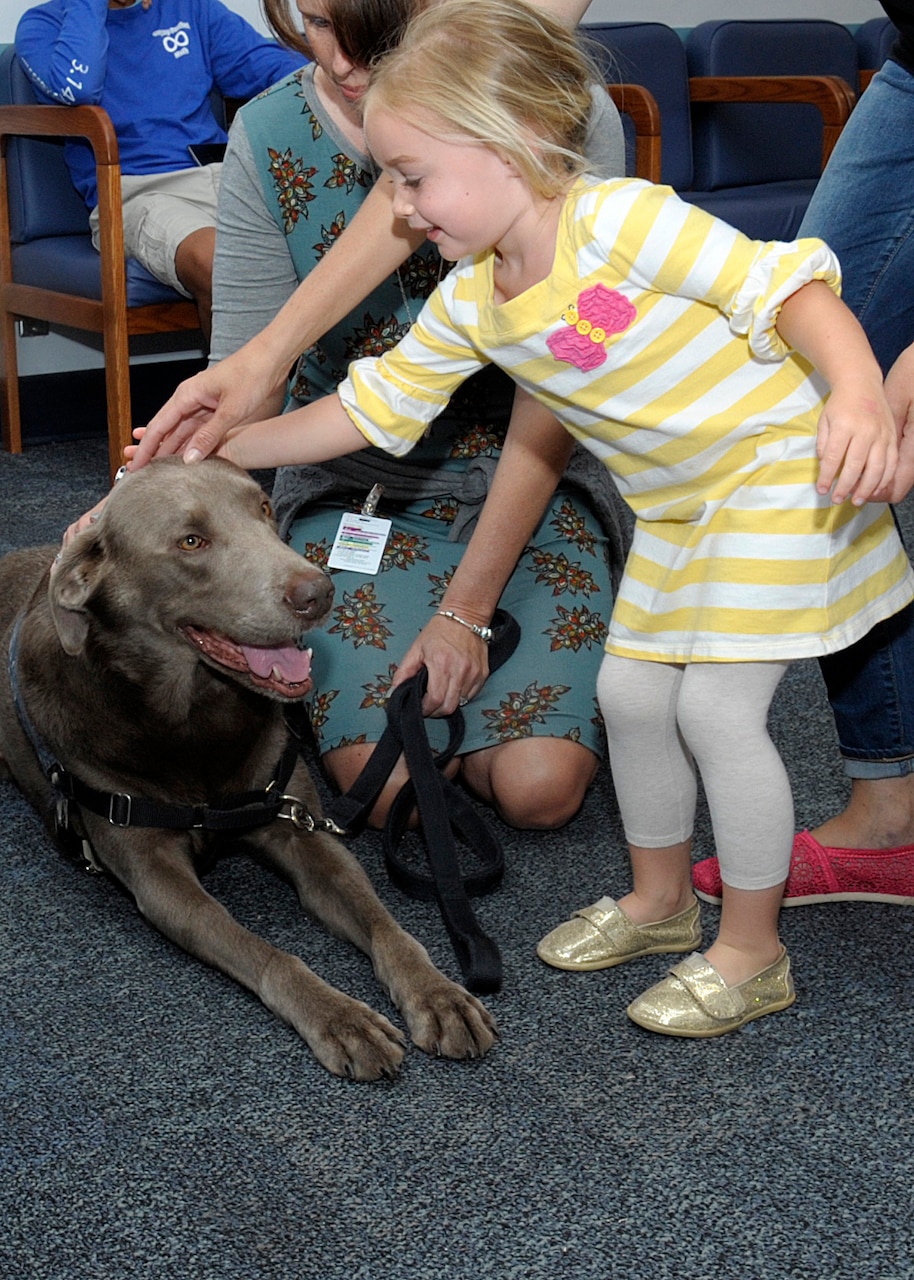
(501, 72)
(364, 29)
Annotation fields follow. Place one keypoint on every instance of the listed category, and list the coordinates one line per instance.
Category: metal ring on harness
(304, 820)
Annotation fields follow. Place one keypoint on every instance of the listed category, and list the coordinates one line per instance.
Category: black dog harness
(240, 812)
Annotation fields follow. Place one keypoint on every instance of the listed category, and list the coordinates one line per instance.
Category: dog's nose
(310, 594)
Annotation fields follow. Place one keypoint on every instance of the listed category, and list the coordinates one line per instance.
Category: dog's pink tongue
(293, 665)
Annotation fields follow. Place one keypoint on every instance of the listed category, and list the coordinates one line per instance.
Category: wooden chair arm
(92, 123)
(640, 104)
(832, 95)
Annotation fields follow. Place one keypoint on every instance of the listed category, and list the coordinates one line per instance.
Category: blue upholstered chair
(49, 270)
(717, 172)
(760, 162)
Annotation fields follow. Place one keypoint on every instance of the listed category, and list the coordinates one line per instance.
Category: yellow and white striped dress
(653, 342)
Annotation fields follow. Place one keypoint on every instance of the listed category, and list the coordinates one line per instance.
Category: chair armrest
(833, 96)
(639, 103)
(94, 124)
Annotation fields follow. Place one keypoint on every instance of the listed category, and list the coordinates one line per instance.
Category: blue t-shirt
(151, 69)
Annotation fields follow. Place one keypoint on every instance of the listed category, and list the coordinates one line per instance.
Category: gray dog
(141, 712)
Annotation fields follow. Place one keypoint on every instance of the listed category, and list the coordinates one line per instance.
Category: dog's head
(191, 553)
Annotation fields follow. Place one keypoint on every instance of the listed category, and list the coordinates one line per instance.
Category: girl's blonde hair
(500, 72)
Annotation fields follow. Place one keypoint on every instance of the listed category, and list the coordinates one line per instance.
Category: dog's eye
(192, 542)
(266, 509)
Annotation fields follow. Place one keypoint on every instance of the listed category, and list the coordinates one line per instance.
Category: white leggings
(663, 720)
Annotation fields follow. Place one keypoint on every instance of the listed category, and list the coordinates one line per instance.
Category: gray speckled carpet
(156, 1121)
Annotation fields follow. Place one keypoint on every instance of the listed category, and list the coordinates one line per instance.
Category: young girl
(696, 364)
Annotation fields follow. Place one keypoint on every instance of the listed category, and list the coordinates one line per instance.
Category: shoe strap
(708, 989)
(611, 922)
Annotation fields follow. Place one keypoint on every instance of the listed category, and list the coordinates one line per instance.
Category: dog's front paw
(352, 1040)
(345, 1035)
(446, 1020)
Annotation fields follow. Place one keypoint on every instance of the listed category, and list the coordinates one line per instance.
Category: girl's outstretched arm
(249, 384)
(316, 432)
(857, 445)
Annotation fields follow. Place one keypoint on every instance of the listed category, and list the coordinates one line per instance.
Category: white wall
(678, 13)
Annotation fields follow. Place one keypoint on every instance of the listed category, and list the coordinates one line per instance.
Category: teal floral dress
(290, 176)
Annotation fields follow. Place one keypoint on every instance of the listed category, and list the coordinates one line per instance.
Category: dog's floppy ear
(74, 579)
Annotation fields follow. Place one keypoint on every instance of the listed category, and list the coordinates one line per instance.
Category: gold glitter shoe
(695, 1000)
(601, 936)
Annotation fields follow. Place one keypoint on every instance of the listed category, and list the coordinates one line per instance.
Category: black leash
(444, 813)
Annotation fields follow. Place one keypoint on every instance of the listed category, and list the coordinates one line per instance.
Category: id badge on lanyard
(361, 538)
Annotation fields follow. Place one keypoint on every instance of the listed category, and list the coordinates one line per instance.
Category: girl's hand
(223, 451)
(899, 391)
(457, 662)
(856, 444)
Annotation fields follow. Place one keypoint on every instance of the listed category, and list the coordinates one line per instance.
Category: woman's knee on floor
(532, 783)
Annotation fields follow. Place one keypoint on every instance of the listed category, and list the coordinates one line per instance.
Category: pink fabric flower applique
(599, 313)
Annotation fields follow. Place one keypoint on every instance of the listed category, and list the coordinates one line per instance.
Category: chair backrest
(874, 39)
(744, 144)
(652, 54)
(43, 200)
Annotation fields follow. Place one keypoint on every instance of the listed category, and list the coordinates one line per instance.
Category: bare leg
(662, 883)
(747, 940)
(532, 783)
(879, 815)
(194, 265)
(344, 764)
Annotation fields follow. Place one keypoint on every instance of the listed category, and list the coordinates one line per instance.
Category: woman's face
(344, 78)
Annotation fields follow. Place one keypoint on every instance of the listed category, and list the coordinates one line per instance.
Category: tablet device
(208, 152)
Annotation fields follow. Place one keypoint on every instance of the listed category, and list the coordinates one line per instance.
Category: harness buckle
(304, 820)
(120, 806)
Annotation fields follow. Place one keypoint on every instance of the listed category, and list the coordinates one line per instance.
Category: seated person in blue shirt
(152, 65)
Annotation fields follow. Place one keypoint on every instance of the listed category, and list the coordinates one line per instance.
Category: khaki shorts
(161, 210)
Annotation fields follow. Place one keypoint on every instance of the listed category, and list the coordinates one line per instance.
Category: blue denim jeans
(863, 208)
(871, 691)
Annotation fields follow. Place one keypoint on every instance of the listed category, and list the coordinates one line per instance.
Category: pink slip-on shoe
(822, 874)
